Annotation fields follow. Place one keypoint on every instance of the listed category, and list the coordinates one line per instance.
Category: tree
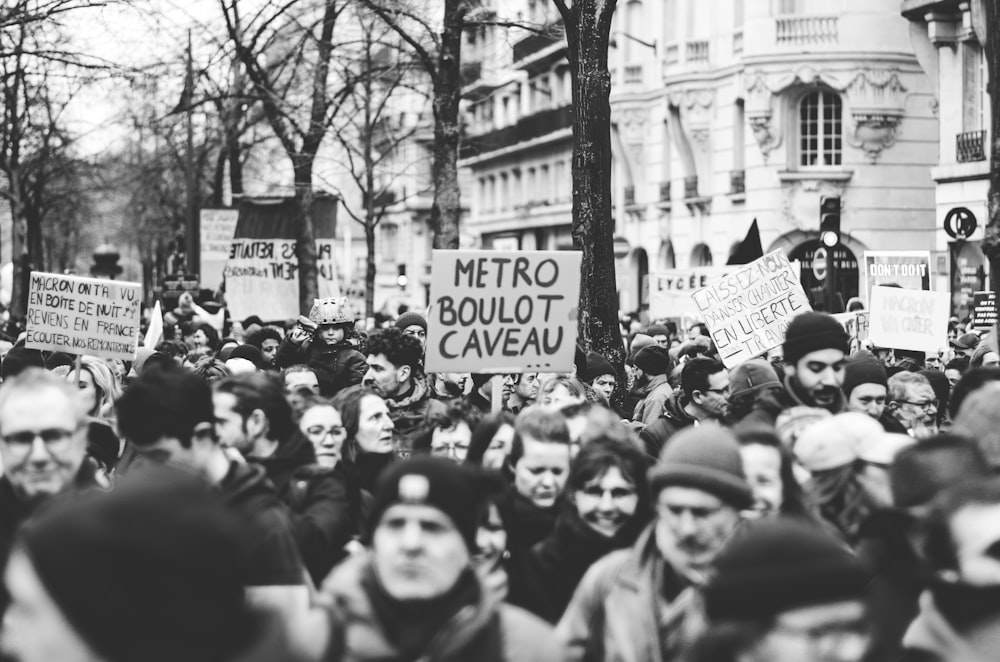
(285, 51)
(588, 32)
(369, 136)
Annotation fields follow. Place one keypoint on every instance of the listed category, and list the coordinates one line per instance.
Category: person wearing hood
(606, 508)
(323, 343)
(416, 595)
(396, 372)
(746, 382)
(650, 389)
(816, 348)
(959, 615)
(703, 397)
(168, 416)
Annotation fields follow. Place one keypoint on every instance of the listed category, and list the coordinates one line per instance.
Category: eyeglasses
(55, 439)
(615, 493)
(458, 450)
(320, 432)
(928, 406)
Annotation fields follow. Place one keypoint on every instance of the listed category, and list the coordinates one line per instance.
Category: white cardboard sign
(909, 319)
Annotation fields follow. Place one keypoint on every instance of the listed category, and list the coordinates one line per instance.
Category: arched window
(820, 129)
(701, 256)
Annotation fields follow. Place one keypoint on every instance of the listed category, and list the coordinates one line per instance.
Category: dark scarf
(369, 466)
(412, 626)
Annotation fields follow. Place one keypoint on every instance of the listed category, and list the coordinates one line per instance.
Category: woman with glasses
(449, 434)
(606, 507)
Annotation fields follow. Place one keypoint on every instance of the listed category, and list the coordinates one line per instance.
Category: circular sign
(819, 263)
(960, 223)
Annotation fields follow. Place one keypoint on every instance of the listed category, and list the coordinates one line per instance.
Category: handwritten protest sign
(217, 228)
(500, 311)
(910, 270)
(856, 325)
(984, 310)
(909, 319)
(748, 311)
(670, 290)
(83, 315)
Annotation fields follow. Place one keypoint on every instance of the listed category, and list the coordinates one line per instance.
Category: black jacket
(275, 559)
(533, 524)
(655, 435)
(290, 455)
(337, 366)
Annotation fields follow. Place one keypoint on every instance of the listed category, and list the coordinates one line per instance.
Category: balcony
(527, 128)
(691, 187)
(664, 191)
(633, 74)
(737, 182)
(537, 41)
(806, 30)
(697, 51)
(969, 146)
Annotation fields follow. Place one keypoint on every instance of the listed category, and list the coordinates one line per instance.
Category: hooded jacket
(483, 630)
(655, 435)
(408, 412)
(275, 559)
(654, 394)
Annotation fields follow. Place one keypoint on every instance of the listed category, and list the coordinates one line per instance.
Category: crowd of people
(306, 491)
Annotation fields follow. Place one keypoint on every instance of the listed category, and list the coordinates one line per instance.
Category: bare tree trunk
(446, 208)
(305, 235)
(588, 28)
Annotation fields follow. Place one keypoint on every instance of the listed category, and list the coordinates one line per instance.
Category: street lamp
(829, 236)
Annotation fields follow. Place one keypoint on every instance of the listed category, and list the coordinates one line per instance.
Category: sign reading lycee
(83, 315)
(499, 311)
(748, 311)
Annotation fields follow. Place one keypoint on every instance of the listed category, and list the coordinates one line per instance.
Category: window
(531, 186)
(504, 195)
(974, 98)
(820, 130)
(544, 184)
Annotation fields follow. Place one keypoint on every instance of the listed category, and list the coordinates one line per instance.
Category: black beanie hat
(653, 360)
(862, 369)
(811, 332)
(18, 360)
(920, 472)
(597, 365)
(152, 571)
(429, 481)
(411, 319)
(777, 564)
(250, 353)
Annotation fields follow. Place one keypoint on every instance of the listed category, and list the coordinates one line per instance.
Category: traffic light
(401, 279)
(829, 220)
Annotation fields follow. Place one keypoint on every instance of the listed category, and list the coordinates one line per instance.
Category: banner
(500, 311)
(217, 228)
(83, 315)
(856, 324)
(670, 290)
(984, 310)
(909, 319)
(910, 270)
(748, 311)
(262, 268)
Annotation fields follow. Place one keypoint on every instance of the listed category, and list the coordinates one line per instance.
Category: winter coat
(658, 392)
(561, 560)
(483, 631)
(337, 365)
(327, 513)
(631, 607)
(532, 524)
(410, 411)
(890, 423)
(655, 435)
(290, 455)
(275, 559)
(931, 638)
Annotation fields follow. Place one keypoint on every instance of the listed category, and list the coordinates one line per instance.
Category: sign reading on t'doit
(500, 311)
(910, 270)
(909, 319)
(83, 315)
(748, 311)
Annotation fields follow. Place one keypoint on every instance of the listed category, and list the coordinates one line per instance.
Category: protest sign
(500, 311)
(984, 310)
(217, 229)
(748, 311)
(909, 319)
(83, 315)
(670, 290)
(856, 325)
(261, 271)
(910, 270)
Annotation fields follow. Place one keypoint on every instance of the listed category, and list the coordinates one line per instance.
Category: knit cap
(835, 441)
(639, 341)
(154, 570)
(791, 422)
(411, 319)
(250, 353)
(597, 365)
(811, 332)
(751, 376)
(704, 457)
(654, 330)
(919, 472)
(653, 360)
(860, 370)
(429, 481)
(778, 564)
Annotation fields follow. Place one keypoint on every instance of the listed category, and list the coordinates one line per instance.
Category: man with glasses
(43, 443)
(642, 603)
(703, 397)
(913, 404)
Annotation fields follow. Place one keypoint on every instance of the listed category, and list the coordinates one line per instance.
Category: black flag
(749, 249)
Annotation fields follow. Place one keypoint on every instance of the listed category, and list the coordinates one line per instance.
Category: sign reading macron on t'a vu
(500, 311)
(83, 315)
(748, 311)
